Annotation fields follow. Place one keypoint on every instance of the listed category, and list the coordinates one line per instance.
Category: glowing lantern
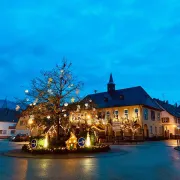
(71, 143)
(46, 141)
(88, 141)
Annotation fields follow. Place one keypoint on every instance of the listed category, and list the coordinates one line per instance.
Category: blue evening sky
(137, 40)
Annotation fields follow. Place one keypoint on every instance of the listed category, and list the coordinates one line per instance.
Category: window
(116, 114)
(151, 130)
(1, 131)
(99, 115)
(165, 120)
(12, 131)
(126, 113)
(178, 120)
(145, 114)
(136, 112)
(152, 115)
(158, 116)
(4, 132)
(121, 97)
(160, 130)
(108, 115)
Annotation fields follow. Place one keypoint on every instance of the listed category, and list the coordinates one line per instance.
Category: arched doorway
(146, 131)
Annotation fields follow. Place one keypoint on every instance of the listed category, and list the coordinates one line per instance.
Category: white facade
(7, 129)
(152, 122)
(170, 124)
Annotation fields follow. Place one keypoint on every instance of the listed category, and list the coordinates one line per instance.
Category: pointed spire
(111, 79)
(111, 85)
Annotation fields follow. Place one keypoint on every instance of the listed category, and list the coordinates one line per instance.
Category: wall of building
(152, 126)
(171, 126)
(6, 129)
(121, 112)
(21, 127)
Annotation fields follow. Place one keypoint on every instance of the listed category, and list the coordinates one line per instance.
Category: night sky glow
(137, 40)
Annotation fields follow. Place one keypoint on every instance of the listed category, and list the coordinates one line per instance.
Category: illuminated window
(99, 115)
(136, 112)
(108, 115)
(126, 113)
(116, 114)
(165, 120)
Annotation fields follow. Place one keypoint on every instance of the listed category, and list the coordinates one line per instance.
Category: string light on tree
(17, 107)
(48, 117)
(26, 91)
(50, 91)
(65, 104)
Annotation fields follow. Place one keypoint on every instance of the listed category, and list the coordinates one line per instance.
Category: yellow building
(133, 104)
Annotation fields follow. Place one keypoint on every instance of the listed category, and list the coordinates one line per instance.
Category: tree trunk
(58, 138)
(133, 135)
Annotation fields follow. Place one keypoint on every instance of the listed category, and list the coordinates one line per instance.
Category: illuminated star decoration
(72, 99)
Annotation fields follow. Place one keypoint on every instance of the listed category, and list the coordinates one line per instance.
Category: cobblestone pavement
(148, 161)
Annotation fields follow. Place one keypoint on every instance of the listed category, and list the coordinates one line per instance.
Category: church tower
(111, 85)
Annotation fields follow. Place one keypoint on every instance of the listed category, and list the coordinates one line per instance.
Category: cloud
(137, 40)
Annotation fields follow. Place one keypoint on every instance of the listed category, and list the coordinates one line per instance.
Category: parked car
(19, 138)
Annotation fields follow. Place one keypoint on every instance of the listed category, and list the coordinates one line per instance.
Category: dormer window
(105, 99)
(121, 97)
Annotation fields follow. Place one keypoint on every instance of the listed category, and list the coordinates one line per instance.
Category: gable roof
(169, 108)
(123, 97)
(8, 115)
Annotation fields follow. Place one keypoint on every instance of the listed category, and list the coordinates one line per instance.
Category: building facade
(22, 126)
(170, 119)
(8, 121)
(133, 104)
